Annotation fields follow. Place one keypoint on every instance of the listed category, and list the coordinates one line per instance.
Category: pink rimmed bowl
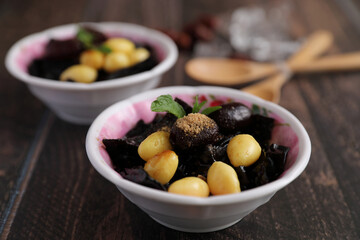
(78, 102)
(192, 214)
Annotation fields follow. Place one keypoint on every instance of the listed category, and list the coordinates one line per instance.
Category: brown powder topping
(194, 123)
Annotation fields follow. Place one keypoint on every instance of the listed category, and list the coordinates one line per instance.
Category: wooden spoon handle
(341, 62)
(270, 88)
(315, 45)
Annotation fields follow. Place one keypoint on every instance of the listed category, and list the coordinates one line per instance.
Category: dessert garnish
(165, 103)
(92, 56)
(185, 151)
(87, 39)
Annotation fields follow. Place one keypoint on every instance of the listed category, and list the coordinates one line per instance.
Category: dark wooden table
(49, 190)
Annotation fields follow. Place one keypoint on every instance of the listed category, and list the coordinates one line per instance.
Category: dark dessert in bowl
(190, 213)
(79, 101)
(93, 56)
(230, 132)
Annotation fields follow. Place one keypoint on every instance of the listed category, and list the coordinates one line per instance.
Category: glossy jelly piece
(232, 117)
(138, 175)
(50, 68)
(123, 153)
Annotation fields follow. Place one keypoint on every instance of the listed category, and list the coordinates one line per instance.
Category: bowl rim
(166, 44)
(161, 196)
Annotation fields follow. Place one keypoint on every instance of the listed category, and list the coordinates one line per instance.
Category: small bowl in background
(185, 213)
(78, 102)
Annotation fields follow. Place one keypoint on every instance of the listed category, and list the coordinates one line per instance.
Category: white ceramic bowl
(186, 213)
(78, 102)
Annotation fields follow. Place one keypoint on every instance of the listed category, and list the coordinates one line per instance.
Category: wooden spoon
(224, 71)
(270, 89)
(339, 62)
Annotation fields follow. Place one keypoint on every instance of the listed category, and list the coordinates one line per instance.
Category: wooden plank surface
(49, 190)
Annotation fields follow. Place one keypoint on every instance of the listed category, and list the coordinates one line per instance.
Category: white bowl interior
(115, 121)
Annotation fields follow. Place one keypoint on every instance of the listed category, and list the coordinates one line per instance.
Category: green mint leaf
(265, 112)
(255, 109)
(85, 37)
(201, 105)
(165, 103)
(209, 110)
(103, 48)
(197, 106)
